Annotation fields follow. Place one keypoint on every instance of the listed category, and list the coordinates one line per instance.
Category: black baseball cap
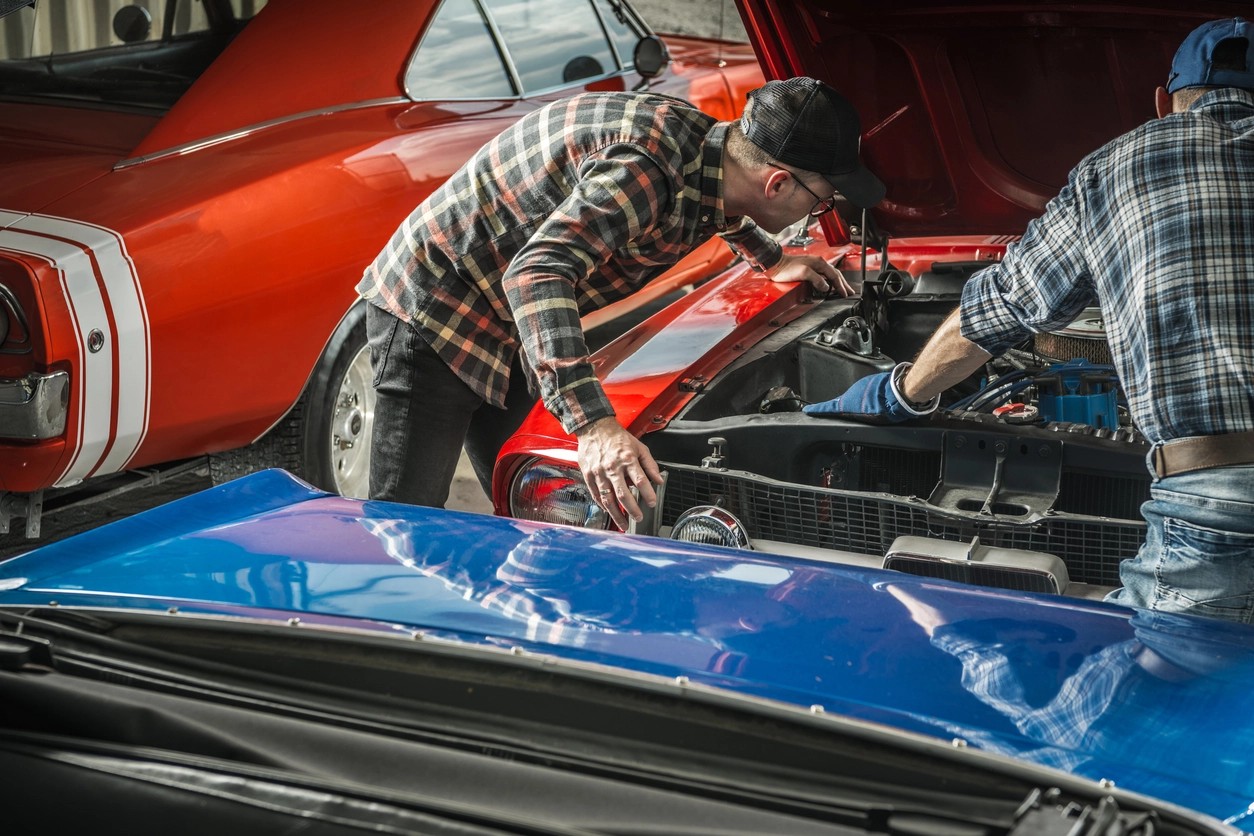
(1193, 65)
(804, 123)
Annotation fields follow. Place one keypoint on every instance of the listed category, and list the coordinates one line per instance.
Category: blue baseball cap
(1193, 64)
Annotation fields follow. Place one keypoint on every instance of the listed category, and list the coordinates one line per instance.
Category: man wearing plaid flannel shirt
(1157, 227)
(577, 205)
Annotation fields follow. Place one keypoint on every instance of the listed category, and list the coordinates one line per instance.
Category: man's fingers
(627, 500)
(825, 267)
(608, 500)
(619, 471)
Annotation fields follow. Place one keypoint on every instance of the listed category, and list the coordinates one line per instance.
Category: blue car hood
(1157, 703)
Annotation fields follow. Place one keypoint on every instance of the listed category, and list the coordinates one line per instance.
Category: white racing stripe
(112, 416)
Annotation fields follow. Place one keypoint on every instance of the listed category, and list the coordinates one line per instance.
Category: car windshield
(114, 52)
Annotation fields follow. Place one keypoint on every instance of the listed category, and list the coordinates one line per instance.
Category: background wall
(705, 18)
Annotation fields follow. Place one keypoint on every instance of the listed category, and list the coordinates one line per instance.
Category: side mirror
(132, 24)
(650, 57)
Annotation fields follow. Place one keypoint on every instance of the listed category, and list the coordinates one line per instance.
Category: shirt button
(705, 219)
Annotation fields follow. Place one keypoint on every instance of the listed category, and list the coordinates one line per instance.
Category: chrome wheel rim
(352, 422)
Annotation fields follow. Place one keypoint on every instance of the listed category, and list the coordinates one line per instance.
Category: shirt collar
(1222, 99)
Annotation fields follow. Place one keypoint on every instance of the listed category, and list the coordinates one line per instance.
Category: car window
(191, 16)
(624, 29)
(458, 58)
(552, 43)
(64, 27)
(114, 51)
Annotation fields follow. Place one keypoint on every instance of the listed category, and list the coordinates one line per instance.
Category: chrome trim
(703, 522)
(34, 407)
(502, 48)
(218, 139)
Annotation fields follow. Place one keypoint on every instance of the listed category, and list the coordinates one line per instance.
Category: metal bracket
(989, 475)
(27, 505)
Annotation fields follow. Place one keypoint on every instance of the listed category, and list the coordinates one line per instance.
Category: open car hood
(868, 645)
(974, 112)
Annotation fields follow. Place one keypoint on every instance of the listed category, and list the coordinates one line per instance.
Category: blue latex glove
(873, 400)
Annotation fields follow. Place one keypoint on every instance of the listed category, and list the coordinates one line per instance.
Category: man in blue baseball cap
(1157, 228)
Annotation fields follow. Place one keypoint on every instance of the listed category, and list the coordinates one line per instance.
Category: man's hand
(613, 461)
(810, 268)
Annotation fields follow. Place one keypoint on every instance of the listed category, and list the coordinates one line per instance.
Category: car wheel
(325, 438)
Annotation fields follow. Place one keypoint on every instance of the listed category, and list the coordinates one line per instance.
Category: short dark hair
(743, 151)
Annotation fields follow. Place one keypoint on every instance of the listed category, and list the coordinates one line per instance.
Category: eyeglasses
(822, 205)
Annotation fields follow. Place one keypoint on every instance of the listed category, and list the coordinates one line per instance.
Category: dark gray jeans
(425, 413)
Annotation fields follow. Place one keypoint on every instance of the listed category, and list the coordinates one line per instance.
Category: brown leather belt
(1200, 452)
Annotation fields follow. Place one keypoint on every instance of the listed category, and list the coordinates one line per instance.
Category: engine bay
(1029, 476)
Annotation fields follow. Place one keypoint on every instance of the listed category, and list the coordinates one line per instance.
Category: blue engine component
(1079, 392)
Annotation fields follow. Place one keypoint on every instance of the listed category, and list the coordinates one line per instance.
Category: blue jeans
(424, 414)
(1198, 555)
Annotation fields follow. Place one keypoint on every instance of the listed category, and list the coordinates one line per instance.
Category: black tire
(325, 438)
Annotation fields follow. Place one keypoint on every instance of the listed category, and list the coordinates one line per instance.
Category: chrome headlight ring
(711, 525)
(548, 492)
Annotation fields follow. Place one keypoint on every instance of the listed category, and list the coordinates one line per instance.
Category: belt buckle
(1160, 466)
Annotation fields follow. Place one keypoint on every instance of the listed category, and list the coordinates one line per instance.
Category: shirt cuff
(580, 405)
(749, 242)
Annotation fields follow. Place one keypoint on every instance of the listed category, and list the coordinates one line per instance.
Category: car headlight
(711, 526)
(547, 492)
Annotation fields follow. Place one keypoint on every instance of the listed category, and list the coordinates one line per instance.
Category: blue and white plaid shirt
(1157, 228)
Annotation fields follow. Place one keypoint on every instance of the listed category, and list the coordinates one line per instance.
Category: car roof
(294, 57)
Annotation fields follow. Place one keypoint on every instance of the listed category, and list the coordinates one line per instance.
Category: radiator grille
(1120, 497)
(901, 472)
(868, 524)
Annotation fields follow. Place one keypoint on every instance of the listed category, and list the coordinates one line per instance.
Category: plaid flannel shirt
(577, 205)
(1157, 227)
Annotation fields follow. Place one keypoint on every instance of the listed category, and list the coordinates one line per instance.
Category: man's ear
(775, 182)
(1162, 102)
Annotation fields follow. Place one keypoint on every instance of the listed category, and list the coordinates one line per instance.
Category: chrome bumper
(34, 407)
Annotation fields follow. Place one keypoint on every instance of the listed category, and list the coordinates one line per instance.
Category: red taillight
(14, 329)
(21, 346)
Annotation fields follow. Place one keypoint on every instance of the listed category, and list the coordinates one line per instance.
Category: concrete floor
(704, 18)
(465, 494)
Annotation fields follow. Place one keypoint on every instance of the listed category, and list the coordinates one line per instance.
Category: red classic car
(1032, 476)
(190, 190)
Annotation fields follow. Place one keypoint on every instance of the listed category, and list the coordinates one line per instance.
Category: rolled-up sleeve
(620, 195)
(1042, 284)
